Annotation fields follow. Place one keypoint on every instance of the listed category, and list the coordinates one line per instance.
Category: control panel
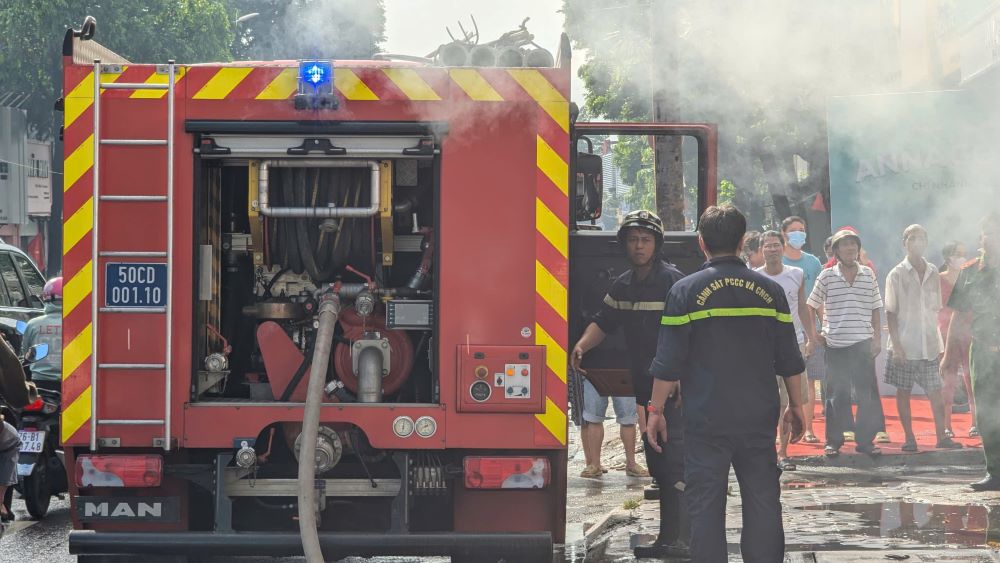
(501, 378)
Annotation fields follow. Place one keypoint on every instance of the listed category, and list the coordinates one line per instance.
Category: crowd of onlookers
(841, 329)
(839, 315)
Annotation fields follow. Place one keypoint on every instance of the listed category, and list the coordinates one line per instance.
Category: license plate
(135, 285)
(32, 442)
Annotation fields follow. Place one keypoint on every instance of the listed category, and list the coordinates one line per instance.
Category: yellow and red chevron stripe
(552, 146)
(363, 84)
(78, 216)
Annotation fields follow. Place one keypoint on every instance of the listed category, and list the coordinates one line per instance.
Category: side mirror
(589, 186)
(36, 353)
(14, 324)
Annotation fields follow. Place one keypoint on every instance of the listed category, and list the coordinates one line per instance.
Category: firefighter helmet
(641, 219)
(52, 289)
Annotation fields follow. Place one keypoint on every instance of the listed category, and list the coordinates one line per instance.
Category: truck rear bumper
(528, 546)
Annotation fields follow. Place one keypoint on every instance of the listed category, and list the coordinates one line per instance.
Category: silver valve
(364, 304)
(246, 457)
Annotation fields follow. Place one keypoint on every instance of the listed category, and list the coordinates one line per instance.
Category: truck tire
(37, 491)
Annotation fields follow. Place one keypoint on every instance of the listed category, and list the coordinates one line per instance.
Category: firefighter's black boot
(675, 527)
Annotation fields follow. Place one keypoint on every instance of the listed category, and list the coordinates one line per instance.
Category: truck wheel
(37, 492)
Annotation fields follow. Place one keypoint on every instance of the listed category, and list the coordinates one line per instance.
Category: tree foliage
(761, 71)
(188, 31)
(140, 30)
(294, 29)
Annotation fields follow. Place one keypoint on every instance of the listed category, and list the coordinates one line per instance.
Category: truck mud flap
(528, 546)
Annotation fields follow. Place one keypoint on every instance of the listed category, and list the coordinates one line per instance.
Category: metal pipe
(515, 546)
(96, 169)
(351, 290)
(370, 376)
(329, 311)
(171, 82)
(322, 212)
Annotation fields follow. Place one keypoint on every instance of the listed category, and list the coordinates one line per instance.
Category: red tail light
(119, 470)
(36, 406)
(507, 472)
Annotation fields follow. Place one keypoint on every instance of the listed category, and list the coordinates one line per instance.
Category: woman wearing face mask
(954, 258)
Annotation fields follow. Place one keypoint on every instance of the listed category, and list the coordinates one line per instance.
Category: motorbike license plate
(32, 441)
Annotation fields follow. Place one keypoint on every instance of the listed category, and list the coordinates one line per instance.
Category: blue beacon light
(315, 73)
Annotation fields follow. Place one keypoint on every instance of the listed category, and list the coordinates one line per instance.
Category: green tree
(188, 31)
(761, 71)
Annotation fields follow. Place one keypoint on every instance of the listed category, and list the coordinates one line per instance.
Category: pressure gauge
(402, 426)
(480, 391)
(426, 426)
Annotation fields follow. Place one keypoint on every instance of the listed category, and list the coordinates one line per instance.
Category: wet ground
(922, 510)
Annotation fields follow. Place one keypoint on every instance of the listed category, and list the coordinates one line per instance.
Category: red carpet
(923, 428)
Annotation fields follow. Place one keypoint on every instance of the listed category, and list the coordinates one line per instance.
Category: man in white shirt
(852, 335)
(912, 302)
(791, 280)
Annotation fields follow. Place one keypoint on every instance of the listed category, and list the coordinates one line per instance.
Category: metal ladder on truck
(167, 255)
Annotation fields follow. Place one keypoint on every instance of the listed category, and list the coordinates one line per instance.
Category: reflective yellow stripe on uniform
(634, 305)
(726, 312)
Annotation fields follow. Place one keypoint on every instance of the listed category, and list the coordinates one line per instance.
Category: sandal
(786, 464)
(909, 446)
(636, 470)
(810, 438)
(591, 472)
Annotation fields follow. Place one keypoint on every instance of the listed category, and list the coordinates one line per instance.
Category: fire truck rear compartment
(274, 232)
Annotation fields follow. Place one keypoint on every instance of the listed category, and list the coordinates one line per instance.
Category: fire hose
(329, 311)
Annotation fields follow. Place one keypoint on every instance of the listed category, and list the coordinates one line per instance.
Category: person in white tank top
(791, 279)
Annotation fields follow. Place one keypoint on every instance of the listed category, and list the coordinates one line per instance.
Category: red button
(524, 371)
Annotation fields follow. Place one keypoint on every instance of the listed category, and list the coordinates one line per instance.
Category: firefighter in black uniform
(726, 331)
(635, 302)
(977, 292)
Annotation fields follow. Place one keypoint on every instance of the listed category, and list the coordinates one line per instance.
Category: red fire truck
(373, 255)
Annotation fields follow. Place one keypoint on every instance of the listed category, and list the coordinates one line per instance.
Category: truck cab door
(596, 258)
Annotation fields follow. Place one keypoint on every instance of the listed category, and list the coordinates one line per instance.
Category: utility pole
(668, 167)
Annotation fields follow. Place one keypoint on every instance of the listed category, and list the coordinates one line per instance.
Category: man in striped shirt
(849, 296)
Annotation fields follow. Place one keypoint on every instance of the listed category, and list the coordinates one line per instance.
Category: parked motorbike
(41, 468)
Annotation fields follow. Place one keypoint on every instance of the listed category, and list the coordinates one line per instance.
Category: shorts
(816, 364)
(903, 376)
(783, 393)
(595, 407)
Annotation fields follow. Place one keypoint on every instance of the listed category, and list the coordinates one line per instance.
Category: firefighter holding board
(635, 302)
(726, 331)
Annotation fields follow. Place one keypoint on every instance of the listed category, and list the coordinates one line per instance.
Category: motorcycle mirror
(37, 352)
(18, 326)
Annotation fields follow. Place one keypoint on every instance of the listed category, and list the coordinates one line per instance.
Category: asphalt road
(37, 540)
